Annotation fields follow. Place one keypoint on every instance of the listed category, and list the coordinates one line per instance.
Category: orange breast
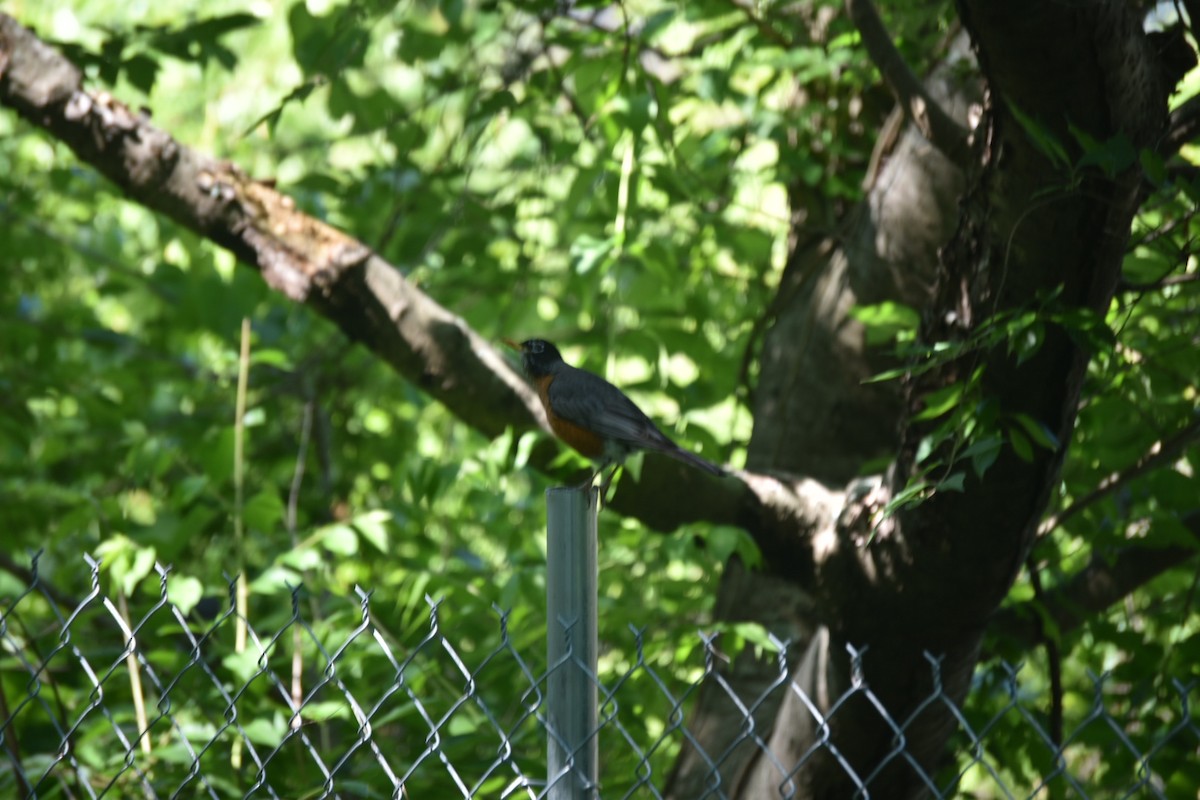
(583, 440)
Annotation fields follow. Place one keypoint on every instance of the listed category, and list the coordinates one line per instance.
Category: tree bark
(815, 415)
(931, 578)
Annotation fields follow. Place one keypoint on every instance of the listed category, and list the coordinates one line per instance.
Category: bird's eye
(535, 346)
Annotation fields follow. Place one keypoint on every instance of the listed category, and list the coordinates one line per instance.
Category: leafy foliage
(529, 170)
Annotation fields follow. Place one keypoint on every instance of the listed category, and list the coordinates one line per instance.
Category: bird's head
(538, 356)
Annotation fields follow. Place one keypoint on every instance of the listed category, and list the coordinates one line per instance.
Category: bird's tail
(696, 461)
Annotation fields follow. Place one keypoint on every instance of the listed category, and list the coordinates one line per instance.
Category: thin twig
(1170, 280)
(938, 127)
(135, 680)
(298, 472)
(13, 746)
(1182, 127)
(239, 435)
(1053, 656)
(297, 688)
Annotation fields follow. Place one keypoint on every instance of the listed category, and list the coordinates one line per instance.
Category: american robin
(593, 416)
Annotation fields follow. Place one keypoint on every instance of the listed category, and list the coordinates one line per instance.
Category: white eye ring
(535, 346)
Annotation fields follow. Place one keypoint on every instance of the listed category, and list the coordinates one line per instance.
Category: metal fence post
(572, 749)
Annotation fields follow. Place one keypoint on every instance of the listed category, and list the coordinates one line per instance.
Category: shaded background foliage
(622, 179)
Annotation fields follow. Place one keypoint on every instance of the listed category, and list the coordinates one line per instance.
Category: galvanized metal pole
(573, 753)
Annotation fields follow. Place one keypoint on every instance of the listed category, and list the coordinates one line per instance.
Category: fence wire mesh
(96, 702)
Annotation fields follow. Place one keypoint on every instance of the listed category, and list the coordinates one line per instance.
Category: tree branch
(1104, 581)
(299, 256)
(1170, 280)
(950, 138)
(1053, 659)
(1183, 127)
(312, 262)
(1162, 453)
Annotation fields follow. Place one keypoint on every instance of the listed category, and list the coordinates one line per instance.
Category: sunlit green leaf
(373, 526)
(185, 592)
(941, 401)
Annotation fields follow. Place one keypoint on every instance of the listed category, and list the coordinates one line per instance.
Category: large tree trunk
(816, 416)
(929, 579)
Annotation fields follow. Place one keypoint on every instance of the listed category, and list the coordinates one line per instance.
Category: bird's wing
(593, 403)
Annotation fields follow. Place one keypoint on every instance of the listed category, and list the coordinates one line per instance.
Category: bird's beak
(512, 344)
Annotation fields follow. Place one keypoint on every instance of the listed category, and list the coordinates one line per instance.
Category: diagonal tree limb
(312, 262)
(299, 256)
(1183, 128)
(938, 127)
(1105, 580)
(1162, 453)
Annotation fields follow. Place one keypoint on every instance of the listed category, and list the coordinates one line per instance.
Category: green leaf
(1112, 156)
(1042, 138)
(263, 512)
(912, 494)
(633, 465)
(303, 557)
(462, 725)
(138, 568)
(274, 579)
(326, 45)
(888, 375)
(757, 634)
(1174, 490)
(524, 449)
(127, 561)
(884, 321)
(418, 43)
(185, 592)
(1020, 445)
(941, 401)
(1039, 433)
(215, 456)
(1153, 166)
(338, 538)
(243, 665)
(271, 118)
(952, 482)
(142, 72)
(373, 526)
(588, 251)
(924, 448)
(272, 357)
(266, 732)
(1147, 266)
(983, 453)
(1167, 530)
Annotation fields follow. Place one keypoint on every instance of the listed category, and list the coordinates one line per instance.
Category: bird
(593, 416)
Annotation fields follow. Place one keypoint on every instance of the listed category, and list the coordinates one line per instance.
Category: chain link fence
(96, 702)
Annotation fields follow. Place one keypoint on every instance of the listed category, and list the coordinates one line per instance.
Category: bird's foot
(607, 483)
